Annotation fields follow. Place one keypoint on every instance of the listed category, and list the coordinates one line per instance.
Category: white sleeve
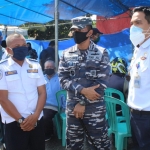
(3, 83)
(41, 80)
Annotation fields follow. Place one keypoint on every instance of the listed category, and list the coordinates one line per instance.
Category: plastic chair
(60, 117)
(110, 92)
(122, 130)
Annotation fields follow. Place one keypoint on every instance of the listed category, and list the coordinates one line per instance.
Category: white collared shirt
(139, 98)
(21, 83)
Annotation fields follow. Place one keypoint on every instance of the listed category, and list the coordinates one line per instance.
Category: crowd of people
(28, 88)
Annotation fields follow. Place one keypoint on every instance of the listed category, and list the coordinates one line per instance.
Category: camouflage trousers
(94, 120)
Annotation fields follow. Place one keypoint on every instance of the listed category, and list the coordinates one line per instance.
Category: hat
(80, 22)
(95, 31)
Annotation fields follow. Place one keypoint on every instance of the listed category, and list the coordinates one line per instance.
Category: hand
(79, 111)
(90, 93)
(29, 123)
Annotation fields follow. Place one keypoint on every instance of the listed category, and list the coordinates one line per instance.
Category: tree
(47, 31)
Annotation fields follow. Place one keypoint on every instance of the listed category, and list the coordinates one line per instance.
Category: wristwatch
(20, 120)
(82, 103)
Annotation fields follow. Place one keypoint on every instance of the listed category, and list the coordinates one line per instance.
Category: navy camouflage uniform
(81, 69)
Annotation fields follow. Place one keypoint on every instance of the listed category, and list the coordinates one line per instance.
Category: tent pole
(5, 29)
(56, 33)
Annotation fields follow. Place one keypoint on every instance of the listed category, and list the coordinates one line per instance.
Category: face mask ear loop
(146, 30)
(87, 33)
(146, 33)
(9, 53)
(147, 37)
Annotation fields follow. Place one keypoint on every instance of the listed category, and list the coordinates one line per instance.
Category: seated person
(5, 53)
(117, 79)
(31, 52)
(52, 86)
(96, 35)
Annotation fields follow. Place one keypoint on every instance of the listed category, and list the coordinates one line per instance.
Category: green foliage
(94, 24)
(47, 31)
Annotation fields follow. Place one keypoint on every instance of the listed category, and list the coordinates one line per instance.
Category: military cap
(80, 22)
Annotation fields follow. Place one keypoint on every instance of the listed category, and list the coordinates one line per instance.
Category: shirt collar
(91, 46)
(27, 60)
(51, 77)
(11, 61)
(146, 43)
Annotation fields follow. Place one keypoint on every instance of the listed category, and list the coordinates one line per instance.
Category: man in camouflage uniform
(83, 72)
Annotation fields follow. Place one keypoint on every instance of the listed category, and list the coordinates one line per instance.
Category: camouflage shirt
(80, 69)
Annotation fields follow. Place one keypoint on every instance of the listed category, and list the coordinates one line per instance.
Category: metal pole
(5, 29)
(56, 32)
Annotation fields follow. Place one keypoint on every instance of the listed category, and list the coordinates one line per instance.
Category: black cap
(95, 31)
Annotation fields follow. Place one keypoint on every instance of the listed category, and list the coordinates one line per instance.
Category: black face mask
(20, 53)
(49, 71)
(79, 37)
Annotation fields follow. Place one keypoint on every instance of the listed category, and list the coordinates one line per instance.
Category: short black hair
(29, 43)
(145, 10)
(52, 43)
(89, 27)
(95, 31)
(3, 44)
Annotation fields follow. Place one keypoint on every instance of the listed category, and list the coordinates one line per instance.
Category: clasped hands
(29, 122)
(90, 94)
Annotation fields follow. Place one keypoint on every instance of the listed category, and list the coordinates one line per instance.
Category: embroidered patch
(143, 58)
(7, 73)
(30, 66)
(1, 74)
(32, 71)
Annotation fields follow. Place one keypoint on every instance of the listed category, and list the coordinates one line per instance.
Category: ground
(55, 144)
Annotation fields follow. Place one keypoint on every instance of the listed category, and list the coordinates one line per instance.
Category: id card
(137, 81)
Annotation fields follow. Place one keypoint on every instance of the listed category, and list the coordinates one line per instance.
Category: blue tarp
(118, 45)
(17, 12)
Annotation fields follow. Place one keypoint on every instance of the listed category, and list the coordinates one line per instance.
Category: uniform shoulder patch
(33, 60)
(2, 61)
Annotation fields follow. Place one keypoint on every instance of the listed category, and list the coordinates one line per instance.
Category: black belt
(140, 112)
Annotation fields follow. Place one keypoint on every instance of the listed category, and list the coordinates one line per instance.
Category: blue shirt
(52, 87)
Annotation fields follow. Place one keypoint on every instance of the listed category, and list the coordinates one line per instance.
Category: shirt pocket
(32, 78)
(33, 75)
(144, 65)
(13, 82)
(92, 69)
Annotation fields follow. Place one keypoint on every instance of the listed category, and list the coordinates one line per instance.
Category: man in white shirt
(139, 88)
(23, 95)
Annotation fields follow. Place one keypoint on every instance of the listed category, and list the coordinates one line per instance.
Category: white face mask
(136, 35)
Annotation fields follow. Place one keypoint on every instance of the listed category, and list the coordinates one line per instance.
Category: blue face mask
(20, 53)
(136, 35)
